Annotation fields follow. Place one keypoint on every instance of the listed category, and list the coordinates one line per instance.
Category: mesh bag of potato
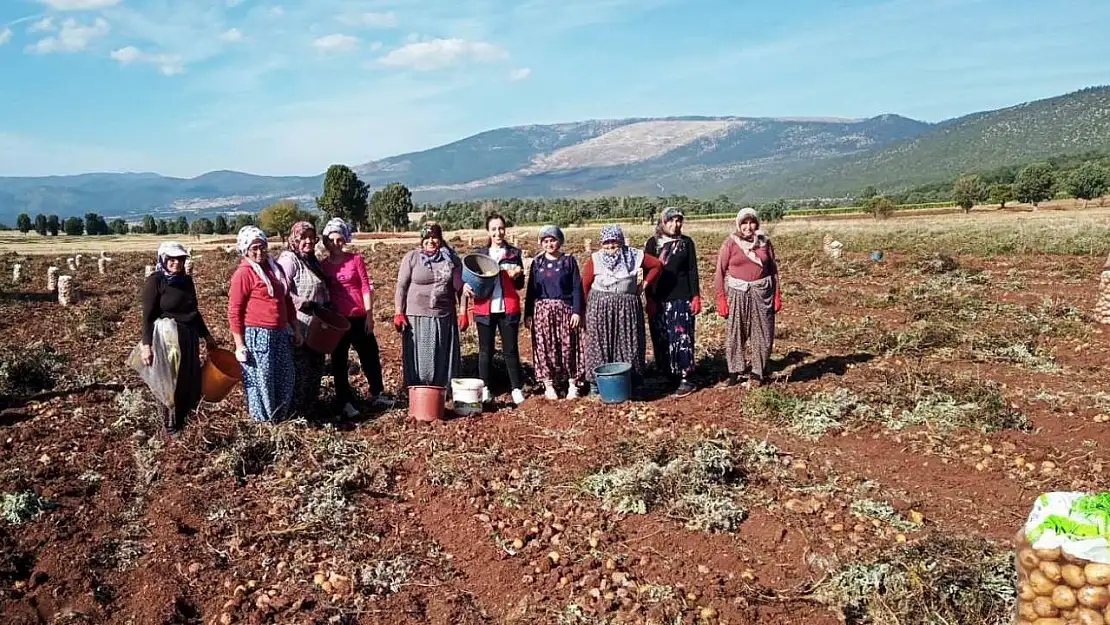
(1063, 561)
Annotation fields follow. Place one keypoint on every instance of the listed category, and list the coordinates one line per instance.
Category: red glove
(722, 306)
(695, 305)
(464, 322)
(776, 302)
(651, 307)
(399, 321)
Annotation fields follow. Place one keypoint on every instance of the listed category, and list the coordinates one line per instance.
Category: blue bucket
(876, 255)
(614, 382)
(480, 272)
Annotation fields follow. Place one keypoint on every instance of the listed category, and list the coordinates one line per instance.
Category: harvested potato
(1041, 584)
(1051, 570)
(1028, 559)
(1026, 611)
(1050, 621)
(1087, 616)
(1097, 574)
(1043, 607)
(1051, 555)
(1093, 597)
(1025, 592)
(1073, 575)
(1063, 597)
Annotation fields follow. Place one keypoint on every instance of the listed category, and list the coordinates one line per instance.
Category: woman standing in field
(352, 295)
(553, 308)
(747, 285)
(614, 311)
(169, 293)
(500, 312)
(674, 300)
(426, 305)
(262, 319)
(308, 288)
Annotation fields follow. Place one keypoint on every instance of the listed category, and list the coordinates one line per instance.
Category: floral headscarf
(170, 249)
(623, 254)
(428, 231)
(337, 225)
(665, 244)
(247, 236)
(297, 235)
(747, 246)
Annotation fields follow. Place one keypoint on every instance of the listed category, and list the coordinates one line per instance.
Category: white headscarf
(247, 236)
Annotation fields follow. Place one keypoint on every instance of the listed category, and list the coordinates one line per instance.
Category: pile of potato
(1055, 588)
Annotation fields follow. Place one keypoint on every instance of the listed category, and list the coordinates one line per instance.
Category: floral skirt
(672, 337)
(268, 373)
(615, 331)
(556, 347)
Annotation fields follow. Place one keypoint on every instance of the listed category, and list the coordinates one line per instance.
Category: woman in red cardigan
(262, 319)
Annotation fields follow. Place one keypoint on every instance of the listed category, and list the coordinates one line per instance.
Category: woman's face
(430, 244)
(308, 242)
(335, 242)
(496, 231)
(748, 228)
(551, 245)
(256, 251)
(611, 247)
(175, 264)
(673, 226)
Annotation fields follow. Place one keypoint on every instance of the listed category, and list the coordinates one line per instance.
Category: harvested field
(919, 405)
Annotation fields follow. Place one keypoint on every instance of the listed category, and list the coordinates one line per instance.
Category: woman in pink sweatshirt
(352, 295)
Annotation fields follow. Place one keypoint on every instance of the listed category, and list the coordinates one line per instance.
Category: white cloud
(79, 5)
(370, 20)
(520, 74)
(72, 37)
(336, 41)
(232, 34)
(437, 53)
(45, 24)
(375, 46)
(276, 11)
(168, 64)
(5, 36)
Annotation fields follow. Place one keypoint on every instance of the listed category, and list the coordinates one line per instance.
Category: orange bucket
(220, 374)
(426, 402)
(326, 330)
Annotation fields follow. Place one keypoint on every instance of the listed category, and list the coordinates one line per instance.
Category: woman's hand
(467, 291)
(722, 306)
(695, 305)
(147, 355)
(514, 271)
(464, 322)
(369, 323)
(575, 321)
(399, 322)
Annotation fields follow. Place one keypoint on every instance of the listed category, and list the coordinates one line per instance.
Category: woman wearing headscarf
(169, 293)
(747, 288)
(500, 312)
(262, 319)
(553, 308)
(674, 300)
(308, 288)
(426, 310)
(614, 311)
(352, 294)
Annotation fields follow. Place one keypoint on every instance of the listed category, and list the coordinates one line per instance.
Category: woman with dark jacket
(501, 311)
(309, 290)
(674, 301)
(169, 293)
(553, 309)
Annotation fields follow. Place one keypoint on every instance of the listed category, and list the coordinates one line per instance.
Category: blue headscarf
(623, 254)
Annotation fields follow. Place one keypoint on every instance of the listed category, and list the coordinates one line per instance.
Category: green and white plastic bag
(1077, 523)
(161, 375)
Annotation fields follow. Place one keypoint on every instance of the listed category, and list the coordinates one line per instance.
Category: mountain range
(749, 158)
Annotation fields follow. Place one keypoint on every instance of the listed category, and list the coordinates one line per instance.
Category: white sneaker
(572, 390)
(549, 391)
(486, 397)
(518, 396)
(349, 411)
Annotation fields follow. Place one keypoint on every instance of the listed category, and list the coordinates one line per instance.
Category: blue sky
(181, 87)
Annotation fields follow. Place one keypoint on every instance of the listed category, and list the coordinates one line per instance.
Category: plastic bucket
(614, 382)
(325, 330)
(480, 272)
(467, 395)
(426, 402)
(876, 255)
(220, 373)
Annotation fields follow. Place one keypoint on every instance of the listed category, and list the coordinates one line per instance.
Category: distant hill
(753, 158)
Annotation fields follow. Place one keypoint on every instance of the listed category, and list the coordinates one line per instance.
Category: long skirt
(556, 347)
(751, 327)
(672, 337)
(615, 327)
(309, 366)
(430, 351)
(186, 393)
(268, 373)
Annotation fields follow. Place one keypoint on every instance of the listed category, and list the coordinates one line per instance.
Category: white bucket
(467, 390)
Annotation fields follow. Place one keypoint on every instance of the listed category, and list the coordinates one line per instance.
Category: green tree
(1001, 193)
(344, 195)
(772, 211)
(1034, 183)
(203, 225)
(279, 217)
(182, 225)
(880, 207)
(868, 193)
(968, 191)
(1087, 181)
(23, 223)
(95, 224)
(390, 208)
(220, 226)
(242, 220)
(41, 224)
(74, 226)
(149, 225)
(53, 225)
(162, 227)
(119, 226)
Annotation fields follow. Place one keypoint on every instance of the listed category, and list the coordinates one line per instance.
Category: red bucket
(426, 402)
(326, 330)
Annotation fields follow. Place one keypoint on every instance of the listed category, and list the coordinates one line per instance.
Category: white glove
(241, 354)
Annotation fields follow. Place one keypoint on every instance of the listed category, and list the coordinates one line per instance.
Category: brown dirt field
(455, 522)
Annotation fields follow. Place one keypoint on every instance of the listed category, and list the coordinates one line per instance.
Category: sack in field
(161, 375)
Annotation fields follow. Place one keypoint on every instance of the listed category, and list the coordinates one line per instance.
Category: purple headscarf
(623, 254)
